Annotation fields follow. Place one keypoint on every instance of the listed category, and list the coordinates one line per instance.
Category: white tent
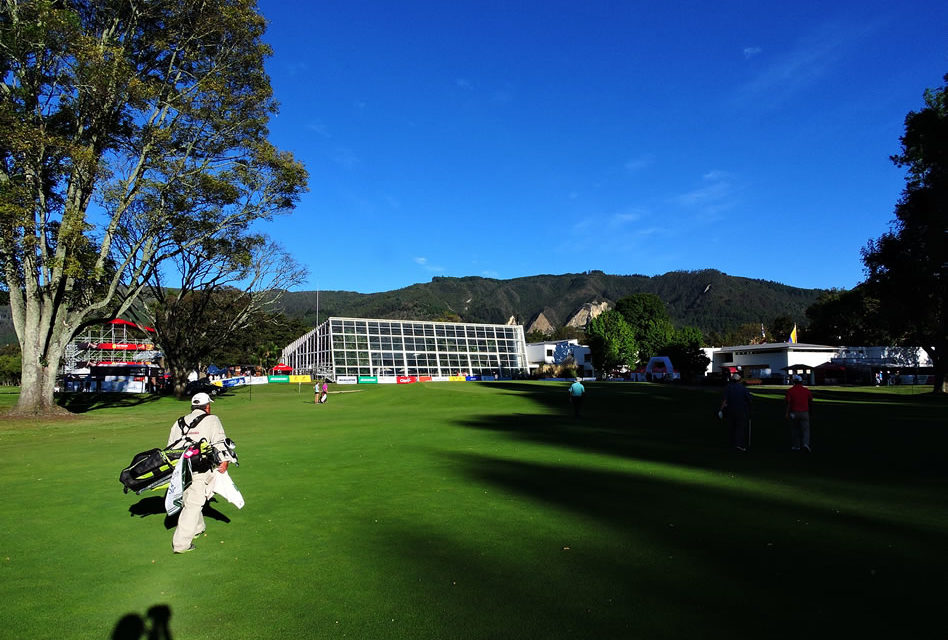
(661, 367)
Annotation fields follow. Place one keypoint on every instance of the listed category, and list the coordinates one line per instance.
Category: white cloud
(319, 128)
(640, 162)
(620, 219)
(429, 267)
(345, 157)
(716, 194)
(815, 55)
(750, 52)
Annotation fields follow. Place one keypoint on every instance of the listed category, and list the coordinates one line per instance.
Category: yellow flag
(793, 335)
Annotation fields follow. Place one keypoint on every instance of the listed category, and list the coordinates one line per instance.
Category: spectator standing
(736, 405)
(799, 403)
(576, 393)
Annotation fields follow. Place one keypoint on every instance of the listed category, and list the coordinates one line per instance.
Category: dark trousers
(577, 403)
(739, 427)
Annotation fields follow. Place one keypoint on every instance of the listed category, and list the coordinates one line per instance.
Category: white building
(561, 352)
(770, 361)
(364, 348)
(777, 361)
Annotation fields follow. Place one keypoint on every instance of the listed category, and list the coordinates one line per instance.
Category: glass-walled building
(370, 347)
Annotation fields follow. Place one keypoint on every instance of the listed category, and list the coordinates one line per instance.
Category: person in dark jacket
(736, 405)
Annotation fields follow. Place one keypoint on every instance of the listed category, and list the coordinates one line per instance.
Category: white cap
(201, 400)
(797, 379)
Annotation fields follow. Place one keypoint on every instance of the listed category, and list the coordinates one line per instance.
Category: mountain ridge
(707, 299)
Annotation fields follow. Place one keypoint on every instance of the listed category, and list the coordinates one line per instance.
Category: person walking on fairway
(799, 403)
(736, 404)
(576, 393)
(198, 425)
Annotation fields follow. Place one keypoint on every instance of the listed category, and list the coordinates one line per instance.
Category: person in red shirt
(799, 402)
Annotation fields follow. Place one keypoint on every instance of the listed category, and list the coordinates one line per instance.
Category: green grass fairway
(484, 511)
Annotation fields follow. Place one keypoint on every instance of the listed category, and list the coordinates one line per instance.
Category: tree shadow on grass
(672, 559)
(699, 539)
(84, 402)
(876, 441)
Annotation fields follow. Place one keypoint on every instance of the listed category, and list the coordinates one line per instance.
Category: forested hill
(709, 299)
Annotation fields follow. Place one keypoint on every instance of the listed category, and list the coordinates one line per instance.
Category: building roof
(779, 346)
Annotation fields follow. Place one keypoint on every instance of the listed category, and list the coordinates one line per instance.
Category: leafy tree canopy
(129, 132)
(611, 342)
(908, 266)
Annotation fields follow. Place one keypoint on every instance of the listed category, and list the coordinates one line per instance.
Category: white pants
(191, 518)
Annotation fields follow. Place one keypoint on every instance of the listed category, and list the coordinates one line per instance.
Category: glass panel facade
(375, 347)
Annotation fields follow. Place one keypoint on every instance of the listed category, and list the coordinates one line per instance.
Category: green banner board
(368, 380)
(278, 379)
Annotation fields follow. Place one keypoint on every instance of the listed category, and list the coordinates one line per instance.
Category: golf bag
(152, 469)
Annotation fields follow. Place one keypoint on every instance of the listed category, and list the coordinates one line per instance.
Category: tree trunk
(38, 380)
(935, 354)
(941, 383)
(179, 378)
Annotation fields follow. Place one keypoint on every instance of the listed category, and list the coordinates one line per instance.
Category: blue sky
(507, 139)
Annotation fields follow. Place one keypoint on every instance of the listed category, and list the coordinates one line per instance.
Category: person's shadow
(155, 505)
(154, 626)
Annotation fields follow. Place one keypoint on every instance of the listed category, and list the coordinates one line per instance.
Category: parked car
(202, 385)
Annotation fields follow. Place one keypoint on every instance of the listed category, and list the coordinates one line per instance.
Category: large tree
(611, 342)
(261, 343)
(129, 131)
(908, 265)
(220, 289)
(684, 351)
(847, 317)
(648, 317)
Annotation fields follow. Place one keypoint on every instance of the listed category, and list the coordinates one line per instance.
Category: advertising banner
(347, 380)
(387, 379)
(424, 378)
(299, 378)
(258, 380)
(278, 379)
(368, 380)
(440, 378)
(473, 378)
(488, 378)
(457, 378)
(234, 382)
(406, 379)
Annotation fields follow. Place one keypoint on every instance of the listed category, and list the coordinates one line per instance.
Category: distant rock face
(586, 313)
(541, 324)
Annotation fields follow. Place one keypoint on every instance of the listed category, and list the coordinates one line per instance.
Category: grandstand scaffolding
(116, 341)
